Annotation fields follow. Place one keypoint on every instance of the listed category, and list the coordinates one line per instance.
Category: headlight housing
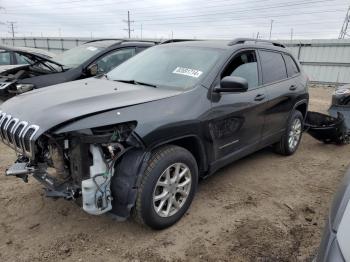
(22, 88)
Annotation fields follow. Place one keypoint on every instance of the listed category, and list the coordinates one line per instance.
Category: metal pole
(271, 28)
(129, 23)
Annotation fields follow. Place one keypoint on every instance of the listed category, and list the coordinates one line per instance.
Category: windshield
(174, 67)
(78, 55)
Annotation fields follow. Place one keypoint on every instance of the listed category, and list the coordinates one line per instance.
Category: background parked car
(11, 57)
(90, 59)
(336, 238)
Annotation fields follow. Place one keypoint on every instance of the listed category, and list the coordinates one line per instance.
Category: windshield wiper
(133, 82)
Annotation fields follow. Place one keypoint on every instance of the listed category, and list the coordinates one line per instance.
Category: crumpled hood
(54, 105)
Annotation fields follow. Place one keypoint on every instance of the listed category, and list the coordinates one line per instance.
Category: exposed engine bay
(79, 165)
(9, 80)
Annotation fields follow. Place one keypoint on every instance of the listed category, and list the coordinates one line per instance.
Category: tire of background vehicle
(154, 183)
(294, 130)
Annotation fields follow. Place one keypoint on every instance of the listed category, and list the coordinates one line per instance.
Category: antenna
(344, 30)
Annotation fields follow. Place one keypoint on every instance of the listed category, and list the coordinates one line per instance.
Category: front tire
(167, 187)
(290, 141)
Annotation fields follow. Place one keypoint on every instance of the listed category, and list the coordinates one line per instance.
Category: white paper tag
(187, 72)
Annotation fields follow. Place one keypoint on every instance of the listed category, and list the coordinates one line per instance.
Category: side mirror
(92, 70)
(232, 84)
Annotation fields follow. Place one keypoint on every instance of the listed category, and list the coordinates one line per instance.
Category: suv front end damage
(79, 165)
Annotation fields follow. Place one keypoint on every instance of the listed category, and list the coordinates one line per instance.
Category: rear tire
(290, 141)
(167, 187)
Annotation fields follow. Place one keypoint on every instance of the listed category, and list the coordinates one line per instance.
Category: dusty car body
(90, 59)
(336, 237)
(138, 139)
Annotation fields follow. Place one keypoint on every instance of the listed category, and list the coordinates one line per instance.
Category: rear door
(279, 88)
(239, 117)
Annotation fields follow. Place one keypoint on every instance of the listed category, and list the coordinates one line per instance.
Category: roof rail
(121, 40)
(177, 40)
(103, 39)
(243, 40)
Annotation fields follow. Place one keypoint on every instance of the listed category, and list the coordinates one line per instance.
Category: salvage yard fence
(325, 61)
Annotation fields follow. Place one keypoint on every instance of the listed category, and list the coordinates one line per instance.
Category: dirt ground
(262, 208)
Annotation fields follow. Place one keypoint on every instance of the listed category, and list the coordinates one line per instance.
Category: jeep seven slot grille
(17, 134)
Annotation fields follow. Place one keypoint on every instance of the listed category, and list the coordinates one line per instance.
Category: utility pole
(271, 28)
(344, 29)
(129, 25)
(11, 25)
(257, 35)
(291, 34)
(141, 31)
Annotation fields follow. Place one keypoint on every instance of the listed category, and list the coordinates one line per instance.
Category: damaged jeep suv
(137, 140)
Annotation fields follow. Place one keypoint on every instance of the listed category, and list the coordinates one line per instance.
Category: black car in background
(87, 60)
(137, 140)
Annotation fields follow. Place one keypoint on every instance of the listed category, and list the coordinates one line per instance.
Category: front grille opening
(2, 127)
(8, 131)
(27, 137)
(17, 133)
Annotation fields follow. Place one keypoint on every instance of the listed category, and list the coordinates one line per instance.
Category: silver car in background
(335, 244)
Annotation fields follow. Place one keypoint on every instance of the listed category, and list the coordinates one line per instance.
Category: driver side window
(113, 59)
(244, 65)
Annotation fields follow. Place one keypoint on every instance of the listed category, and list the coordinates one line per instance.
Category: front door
(238, 118)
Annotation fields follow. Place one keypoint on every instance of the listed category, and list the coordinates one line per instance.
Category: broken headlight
(22, 88)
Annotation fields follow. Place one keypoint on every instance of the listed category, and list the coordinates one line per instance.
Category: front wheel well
(195, 147)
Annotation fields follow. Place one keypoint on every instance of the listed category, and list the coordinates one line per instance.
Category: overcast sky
(218, 19)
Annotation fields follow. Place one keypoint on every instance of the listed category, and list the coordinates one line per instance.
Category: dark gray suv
(138, 139)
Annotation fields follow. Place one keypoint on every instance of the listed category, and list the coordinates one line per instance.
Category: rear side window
(273, 66)
(5, 58)
(292, 68)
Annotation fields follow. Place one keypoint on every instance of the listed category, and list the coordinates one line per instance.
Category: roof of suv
(230, 44)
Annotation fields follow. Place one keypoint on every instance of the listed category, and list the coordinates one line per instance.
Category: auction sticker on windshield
(187, 71)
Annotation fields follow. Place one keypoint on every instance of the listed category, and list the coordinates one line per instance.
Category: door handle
(293, 88)
(259, 97)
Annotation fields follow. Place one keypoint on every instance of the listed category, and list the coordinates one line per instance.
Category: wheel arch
(194, 145)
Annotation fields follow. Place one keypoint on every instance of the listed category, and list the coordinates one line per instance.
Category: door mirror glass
(233, 84)
(92, 70)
